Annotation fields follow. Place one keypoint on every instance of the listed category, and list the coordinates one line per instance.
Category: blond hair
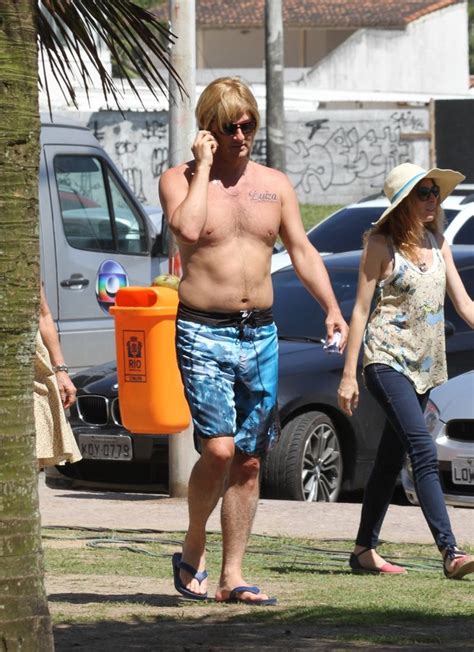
(224, 100)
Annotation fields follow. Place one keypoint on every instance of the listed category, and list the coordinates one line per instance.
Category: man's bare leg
(238, 511)
(204, 490)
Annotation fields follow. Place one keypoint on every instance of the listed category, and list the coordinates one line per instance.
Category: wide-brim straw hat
(403, 178)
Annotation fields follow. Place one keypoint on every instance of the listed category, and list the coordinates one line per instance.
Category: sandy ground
(403, 524)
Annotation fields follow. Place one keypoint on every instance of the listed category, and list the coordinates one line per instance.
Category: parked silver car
(449, 416)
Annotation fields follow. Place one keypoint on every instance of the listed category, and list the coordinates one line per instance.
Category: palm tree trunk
(24, 617)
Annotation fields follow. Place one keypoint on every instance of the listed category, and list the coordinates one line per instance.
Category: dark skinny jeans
(405, 432)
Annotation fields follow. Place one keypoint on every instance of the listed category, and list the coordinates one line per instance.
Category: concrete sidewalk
(274, 517)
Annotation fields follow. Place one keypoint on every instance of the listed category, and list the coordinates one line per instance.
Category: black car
(321, 451)
(344, 230)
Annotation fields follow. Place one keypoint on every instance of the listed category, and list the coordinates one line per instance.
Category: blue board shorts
(229, 368)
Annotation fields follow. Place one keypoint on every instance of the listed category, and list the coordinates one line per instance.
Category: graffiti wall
(338, 156)
(333, 156)
(137, 142)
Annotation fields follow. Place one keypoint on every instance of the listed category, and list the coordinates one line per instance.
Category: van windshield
(96, 213)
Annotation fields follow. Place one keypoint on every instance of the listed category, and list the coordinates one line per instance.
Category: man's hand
(335, 322)
(67, 389)
(204, 147)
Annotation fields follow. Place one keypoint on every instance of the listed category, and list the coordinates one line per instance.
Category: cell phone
(215, 141)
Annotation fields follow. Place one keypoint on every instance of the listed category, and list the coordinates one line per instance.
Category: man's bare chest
(247, 213)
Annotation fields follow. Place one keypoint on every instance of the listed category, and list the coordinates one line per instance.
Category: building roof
(349, 14)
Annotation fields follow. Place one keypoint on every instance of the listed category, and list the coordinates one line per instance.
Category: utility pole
(274, 67)
(181, 133)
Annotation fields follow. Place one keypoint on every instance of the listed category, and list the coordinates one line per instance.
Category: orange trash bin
(151, 393)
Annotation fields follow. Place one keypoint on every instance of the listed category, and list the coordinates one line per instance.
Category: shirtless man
(226, 213)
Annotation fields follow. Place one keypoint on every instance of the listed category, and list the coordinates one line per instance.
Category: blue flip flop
(234, 598)
(200, 576)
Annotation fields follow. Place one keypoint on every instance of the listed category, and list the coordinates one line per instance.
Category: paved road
(404, 524)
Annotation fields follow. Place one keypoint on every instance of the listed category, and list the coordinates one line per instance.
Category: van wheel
(306, 463)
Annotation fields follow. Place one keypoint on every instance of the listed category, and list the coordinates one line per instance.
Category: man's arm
(308, 263)
(185, 204)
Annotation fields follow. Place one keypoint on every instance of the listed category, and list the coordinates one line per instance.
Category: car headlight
(431, 416)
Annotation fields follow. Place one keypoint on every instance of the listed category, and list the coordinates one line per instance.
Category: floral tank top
(406, 329)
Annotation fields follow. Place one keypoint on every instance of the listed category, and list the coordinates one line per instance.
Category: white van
(95, 237)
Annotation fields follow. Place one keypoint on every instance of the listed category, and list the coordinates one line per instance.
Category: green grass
(312, 214)
(311, 577)
(118, 584)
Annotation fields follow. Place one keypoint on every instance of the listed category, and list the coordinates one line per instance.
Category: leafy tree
(67, 31)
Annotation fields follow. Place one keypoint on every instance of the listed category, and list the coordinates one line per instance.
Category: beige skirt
(55, 443)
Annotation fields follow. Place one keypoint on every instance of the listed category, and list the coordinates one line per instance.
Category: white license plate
(462, 470)
(106, 447)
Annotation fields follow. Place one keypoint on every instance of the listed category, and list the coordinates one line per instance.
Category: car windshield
(297, 314)
(344, 230)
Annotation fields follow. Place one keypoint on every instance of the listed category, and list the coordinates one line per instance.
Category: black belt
(253, 318)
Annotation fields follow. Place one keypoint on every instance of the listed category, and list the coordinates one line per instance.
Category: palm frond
(69, 30)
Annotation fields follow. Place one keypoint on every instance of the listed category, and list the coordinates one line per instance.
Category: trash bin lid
(146, 300)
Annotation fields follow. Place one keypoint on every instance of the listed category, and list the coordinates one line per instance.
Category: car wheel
(306, 464)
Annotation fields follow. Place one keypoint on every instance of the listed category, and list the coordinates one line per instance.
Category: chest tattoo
(256, 195)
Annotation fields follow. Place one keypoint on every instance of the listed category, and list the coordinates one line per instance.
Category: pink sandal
(386, 569)
(463, 563)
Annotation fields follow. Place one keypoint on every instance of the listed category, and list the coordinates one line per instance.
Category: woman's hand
(348, 395)
(67, 389)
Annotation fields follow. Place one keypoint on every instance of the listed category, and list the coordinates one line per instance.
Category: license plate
(462, 470)
(106, 447)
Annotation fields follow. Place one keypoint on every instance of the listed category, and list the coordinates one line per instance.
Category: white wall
(230, 48)
(236, 48)
(429, 56)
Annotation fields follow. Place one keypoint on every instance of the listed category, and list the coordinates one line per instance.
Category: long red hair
(405, 229)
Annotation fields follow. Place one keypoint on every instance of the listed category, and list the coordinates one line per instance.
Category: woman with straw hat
(409, 266)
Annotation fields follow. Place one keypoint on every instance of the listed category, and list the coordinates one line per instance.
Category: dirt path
(132, 613)
(403, 524)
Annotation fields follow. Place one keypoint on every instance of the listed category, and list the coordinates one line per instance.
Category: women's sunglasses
(230, 128)
(423, 192)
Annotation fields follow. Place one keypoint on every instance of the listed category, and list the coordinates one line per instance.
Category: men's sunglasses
(423, 192)
(230, 128)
